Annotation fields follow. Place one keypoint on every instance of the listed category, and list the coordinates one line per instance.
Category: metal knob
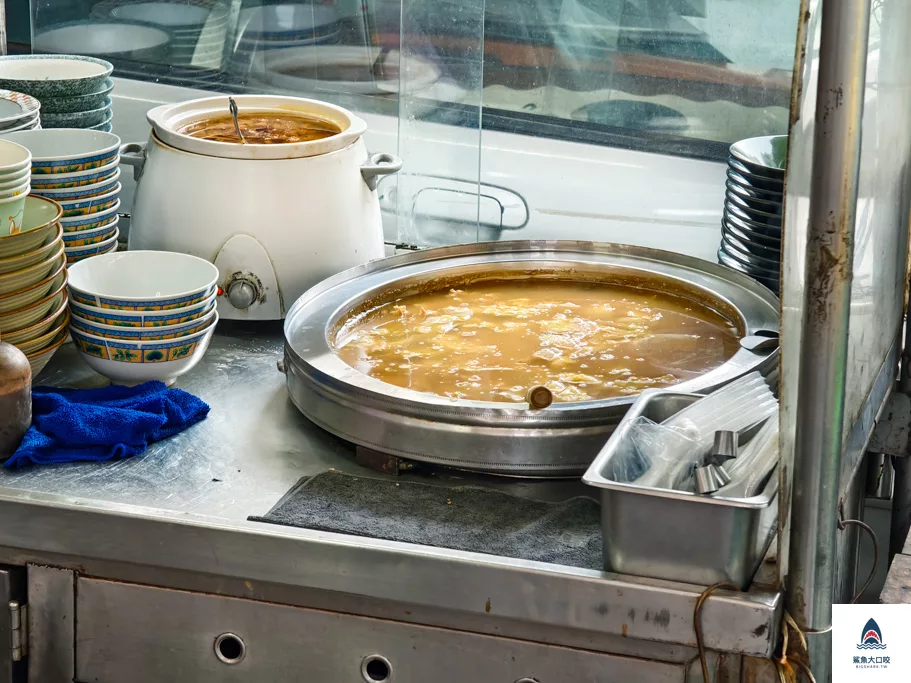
(241, 294)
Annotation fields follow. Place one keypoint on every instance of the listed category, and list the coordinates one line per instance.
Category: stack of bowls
(74, 91)
(33, 297)
(79, 169)
(753, 203)
(18, 111)
(197, 27)
(15, 184)
(143, 315)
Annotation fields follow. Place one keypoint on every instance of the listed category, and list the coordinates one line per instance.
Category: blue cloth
(70, 425)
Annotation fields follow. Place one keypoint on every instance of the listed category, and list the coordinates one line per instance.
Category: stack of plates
(33, 297)
(73, 90)
(18, 111)
(753, 201)
(143, 315)
(78, 169)
(197, 27)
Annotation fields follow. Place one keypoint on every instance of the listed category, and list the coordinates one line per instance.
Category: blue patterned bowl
(85, 238)
(67, 150)
(133, 319)
(92, 221)
(132, 362)
(143, 281)
(76, 254)
(53, 75)
(103, 186)
(90, 205)
(60, 181)
(144, 333)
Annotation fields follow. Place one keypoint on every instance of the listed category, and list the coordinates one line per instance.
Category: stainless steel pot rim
(311, 319)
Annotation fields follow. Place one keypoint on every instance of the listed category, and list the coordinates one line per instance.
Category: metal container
(506, 438)
(676, 535)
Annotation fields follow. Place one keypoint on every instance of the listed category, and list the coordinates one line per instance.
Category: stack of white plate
(143, 315)
(80, 170)
(73, 90)
(197, 27)
(18, 111)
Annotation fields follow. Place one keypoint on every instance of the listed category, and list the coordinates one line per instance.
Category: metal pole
(826, 308)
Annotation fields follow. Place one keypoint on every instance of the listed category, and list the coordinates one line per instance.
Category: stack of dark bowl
(753, 200)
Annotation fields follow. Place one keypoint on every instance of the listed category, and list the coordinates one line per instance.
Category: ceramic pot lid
(167, 120)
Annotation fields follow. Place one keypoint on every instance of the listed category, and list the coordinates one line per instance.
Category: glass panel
(673, 76)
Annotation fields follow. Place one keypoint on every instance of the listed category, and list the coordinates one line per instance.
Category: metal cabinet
(142, 634)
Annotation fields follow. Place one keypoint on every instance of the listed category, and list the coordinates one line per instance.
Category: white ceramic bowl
(91, 221)
(14, 157)
(144, 333)
(133, 362)
(21, 189)
(67, 150)
(56, 181)
(142, 280)
(62, 194)
(15, 179)
(12, 213)
(174, 316)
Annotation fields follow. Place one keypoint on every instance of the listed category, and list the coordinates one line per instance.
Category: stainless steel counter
(176, 517)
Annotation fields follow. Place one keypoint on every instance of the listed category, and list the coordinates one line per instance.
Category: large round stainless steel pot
(507, 438)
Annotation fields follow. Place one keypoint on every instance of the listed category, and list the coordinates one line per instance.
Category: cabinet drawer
(142, 634)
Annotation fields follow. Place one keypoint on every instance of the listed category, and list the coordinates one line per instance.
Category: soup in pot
(262, 128)
(493, 340)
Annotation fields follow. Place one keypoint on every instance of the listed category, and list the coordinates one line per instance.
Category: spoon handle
(232, 105)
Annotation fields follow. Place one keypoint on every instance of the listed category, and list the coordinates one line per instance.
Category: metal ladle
(232, 105)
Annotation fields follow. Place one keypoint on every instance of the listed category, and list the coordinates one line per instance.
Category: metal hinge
(18, 630)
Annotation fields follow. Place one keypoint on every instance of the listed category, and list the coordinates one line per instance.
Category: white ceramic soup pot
(275, 219)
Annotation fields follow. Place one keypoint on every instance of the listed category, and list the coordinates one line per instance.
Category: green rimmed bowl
(31, 334)
(30, 258)
(20, 279)
(39, 359)
(58, 324)
(39, 220)
(30, 315)
(29, 295)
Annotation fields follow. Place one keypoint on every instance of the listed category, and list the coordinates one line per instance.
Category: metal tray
(675, 535)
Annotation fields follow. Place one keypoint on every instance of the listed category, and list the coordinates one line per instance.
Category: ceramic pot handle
(378, 165)
(134, 154)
